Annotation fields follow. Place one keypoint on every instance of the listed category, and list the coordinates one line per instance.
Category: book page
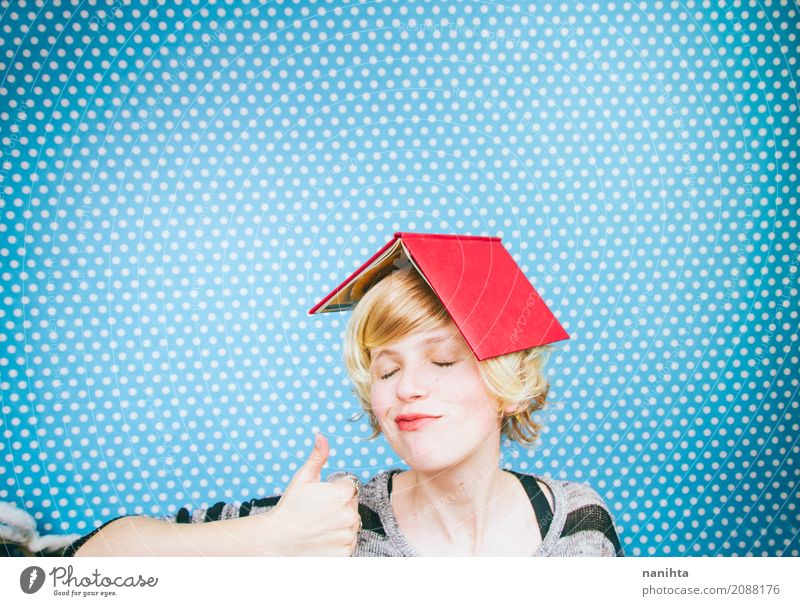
(355, 289)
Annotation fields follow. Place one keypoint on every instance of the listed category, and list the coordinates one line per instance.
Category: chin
(429, 467)
(428, 460)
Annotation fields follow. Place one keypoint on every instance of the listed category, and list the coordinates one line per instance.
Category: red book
(490, 300)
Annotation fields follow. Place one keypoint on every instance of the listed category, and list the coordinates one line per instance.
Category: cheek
(471, 396)
(465, 384)
(379, 401)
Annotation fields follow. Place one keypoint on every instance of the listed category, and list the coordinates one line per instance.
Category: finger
(311, 471)
(348, 539)
(349, 489)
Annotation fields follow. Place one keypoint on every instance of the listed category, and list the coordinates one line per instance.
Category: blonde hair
(402, 303)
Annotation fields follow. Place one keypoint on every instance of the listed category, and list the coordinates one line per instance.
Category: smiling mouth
(414, 423)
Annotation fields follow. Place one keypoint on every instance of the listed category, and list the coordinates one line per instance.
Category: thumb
(311, 471)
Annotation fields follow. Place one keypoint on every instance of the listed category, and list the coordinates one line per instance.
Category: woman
(443, 412)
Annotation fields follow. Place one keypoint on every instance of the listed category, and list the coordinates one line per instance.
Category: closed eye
(440, 364)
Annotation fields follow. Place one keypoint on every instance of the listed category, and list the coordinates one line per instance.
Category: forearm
(144, 536)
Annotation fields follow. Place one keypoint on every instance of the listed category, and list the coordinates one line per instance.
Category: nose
(412, 385)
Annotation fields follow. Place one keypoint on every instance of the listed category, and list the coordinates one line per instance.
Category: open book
(480, 285)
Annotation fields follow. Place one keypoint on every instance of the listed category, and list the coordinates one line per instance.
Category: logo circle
(31, 579)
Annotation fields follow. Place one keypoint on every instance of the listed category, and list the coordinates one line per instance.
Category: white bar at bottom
(386, 581)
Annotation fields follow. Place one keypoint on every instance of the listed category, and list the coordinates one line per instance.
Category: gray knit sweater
(578, 525)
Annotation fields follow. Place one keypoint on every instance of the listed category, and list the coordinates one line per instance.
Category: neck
(457, 505)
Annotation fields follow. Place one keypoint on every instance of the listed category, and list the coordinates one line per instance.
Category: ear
(511, 408)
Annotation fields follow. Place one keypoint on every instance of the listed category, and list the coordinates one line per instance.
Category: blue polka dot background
(182, 181)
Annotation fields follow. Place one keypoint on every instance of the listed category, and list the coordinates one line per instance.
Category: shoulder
(379, 481)
(577, 494)
(588, 526)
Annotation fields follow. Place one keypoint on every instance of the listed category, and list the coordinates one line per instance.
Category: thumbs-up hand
(315, 518)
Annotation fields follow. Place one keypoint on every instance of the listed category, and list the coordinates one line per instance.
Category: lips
(412, 422)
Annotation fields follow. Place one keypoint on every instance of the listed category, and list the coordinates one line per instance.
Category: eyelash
(440, 364)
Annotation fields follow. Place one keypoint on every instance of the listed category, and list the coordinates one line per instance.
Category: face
(430, 401)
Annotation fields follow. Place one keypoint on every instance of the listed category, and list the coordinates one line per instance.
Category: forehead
(428, 338)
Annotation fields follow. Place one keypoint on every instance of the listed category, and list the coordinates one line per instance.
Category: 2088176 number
(754, 589)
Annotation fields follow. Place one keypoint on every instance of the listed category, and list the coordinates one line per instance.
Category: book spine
(405, 234)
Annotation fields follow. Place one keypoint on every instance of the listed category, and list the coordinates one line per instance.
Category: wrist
(269, 535)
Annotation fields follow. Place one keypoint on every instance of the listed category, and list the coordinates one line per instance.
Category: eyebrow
(424, 341)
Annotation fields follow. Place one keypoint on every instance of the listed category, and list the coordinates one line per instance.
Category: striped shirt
(578, 524)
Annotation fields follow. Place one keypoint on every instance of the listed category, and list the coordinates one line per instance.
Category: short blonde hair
(401, 304)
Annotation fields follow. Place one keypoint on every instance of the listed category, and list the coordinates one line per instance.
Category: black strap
(541, 506)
